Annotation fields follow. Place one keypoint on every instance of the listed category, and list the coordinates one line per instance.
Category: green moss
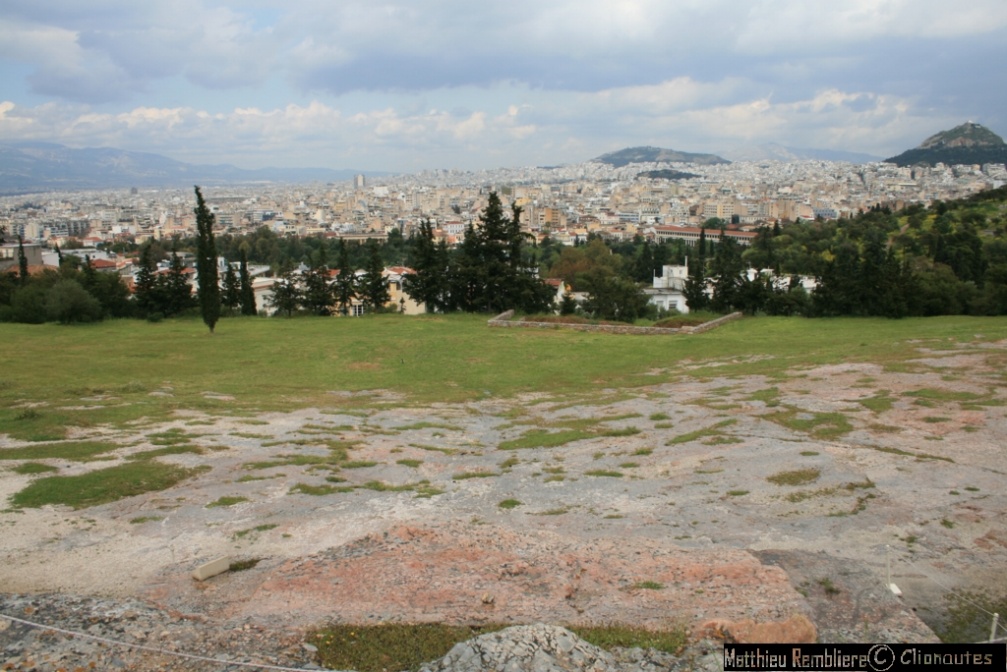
(318, 490)
(702, 433)
(226, 501)
(32, 468)
(425, 491)
(824, 426)
(540, 438)
(76, 451)
(795, 477)
(242, 565)
(647, 585)
(241, 534)
(605, 473)
(168, 450)
(879, 403)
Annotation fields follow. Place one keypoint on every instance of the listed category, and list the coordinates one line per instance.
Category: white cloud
(397, 83)
(782, 25)
(675, 94)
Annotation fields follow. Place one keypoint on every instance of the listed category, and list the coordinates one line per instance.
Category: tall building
(359, 181)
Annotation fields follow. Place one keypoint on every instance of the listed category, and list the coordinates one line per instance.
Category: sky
(408, 85)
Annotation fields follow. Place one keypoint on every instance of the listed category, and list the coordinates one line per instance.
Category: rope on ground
(952, 591)
(150, 649)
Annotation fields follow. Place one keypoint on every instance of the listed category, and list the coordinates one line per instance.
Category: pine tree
(345, 286)
(230, 297)
(177, 292)
(728, 273)
(489, 272)
(374, 284)
(318, 294)
(146, 287)
(426, 284)
(206, 264)
(286, 294)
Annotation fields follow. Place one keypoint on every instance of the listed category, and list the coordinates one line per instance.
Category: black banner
(866, 657)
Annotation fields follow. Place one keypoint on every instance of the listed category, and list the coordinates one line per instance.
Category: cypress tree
(246, 294)
(22, 262)
(206, 264)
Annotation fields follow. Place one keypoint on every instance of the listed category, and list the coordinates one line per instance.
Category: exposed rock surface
(661, 512)
(547, 648)
(159, 641)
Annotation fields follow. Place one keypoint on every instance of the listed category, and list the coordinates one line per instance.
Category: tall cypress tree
(246, 293)
(206, 264)
(695, 285)
(22, 262)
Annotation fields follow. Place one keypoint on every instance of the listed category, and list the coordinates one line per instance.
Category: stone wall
(505, 320)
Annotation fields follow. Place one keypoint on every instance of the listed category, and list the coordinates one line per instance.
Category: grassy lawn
(101, 486)
(120, 371)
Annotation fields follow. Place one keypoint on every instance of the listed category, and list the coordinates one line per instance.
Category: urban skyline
(403, 87)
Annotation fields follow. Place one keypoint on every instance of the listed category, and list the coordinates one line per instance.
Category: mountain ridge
(27, 167)
(647, 154)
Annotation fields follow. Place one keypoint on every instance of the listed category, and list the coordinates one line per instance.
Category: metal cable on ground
(151, 649)
(953, 592)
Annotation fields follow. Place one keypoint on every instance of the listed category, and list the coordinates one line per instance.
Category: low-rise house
(668, 290)
(10, 259)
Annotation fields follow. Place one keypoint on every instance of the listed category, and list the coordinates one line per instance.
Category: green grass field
(118, 371)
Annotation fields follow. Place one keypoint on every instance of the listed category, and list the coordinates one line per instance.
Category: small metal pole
(993, 628)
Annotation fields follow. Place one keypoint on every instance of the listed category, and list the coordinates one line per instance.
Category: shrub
(67, 302)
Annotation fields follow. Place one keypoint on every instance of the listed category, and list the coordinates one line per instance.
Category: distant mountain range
(28, 167)
(765, 152)
(775, 152)
(969, 143)
(624, 157)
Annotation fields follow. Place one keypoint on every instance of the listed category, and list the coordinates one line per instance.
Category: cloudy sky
(403, 85)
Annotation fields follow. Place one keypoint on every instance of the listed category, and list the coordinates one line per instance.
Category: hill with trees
(967, 144)
(624, 157)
